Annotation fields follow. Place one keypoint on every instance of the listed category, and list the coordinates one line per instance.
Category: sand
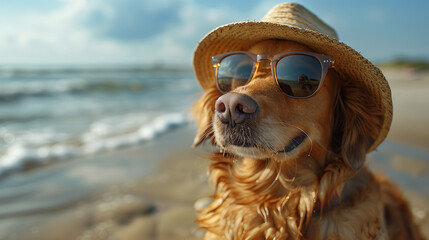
(410, 124)
(160, 204)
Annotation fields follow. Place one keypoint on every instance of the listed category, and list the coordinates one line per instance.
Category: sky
(167, 31)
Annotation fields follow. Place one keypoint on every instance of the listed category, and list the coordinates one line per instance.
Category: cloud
(152, 31)
(131, 20)
(121, 31)
(96, 31)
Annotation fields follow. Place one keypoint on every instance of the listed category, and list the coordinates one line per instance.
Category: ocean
(56, 114)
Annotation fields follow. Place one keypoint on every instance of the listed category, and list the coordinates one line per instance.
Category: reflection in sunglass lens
(299, 75)
(234, 71)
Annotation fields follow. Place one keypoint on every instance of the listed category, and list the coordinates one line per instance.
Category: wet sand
(148, 191)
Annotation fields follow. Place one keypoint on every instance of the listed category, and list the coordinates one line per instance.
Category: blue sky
(167, 31)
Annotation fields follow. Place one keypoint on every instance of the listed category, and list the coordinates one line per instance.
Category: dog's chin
(293, 148)
(250, 152)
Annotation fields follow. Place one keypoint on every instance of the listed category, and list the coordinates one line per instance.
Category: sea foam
(148, 131)
(103, 135)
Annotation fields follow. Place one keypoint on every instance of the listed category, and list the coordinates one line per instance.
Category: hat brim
(348, 63)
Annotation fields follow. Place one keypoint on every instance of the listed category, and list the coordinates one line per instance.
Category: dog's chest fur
(270, 211)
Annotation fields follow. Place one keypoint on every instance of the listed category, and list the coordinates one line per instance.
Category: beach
(112, 203)
(145, 185)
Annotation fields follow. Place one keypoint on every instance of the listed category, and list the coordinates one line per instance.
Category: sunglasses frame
(325, 62)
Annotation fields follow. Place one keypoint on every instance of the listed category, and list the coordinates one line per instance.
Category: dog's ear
(203, 111)
(357, 123)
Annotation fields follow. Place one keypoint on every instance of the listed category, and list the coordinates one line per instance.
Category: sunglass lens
(299, 75)
(234, 71)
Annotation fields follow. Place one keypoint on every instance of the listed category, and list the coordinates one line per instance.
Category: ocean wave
(19, 157)
(12, 91)
(149, 131)
(25, 71)
(103, 135)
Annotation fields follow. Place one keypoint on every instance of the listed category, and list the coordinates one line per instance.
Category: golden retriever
(317, 187)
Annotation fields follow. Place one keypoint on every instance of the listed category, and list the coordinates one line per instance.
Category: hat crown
(295, 15)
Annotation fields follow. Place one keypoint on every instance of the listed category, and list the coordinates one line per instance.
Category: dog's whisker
(276, 178)
(322, 145)
(303, 132)
(300, 129)
(285, 179)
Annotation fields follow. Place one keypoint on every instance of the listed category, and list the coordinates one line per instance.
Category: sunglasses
(298, 74)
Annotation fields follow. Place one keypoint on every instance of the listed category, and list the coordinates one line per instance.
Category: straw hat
(290, 21)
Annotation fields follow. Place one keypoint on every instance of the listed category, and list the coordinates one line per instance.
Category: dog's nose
(235, 108)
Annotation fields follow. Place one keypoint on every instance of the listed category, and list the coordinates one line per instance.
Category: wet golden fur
(263, 195)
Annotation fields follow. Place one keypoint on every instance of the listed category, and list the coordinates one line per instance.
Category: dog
(294, 168)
